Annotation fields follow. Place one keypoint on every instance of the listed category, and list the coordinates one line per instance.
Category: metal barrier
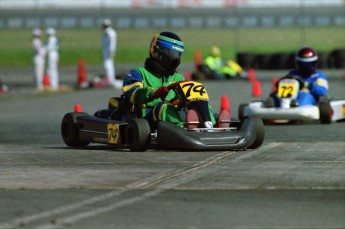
(173, 18)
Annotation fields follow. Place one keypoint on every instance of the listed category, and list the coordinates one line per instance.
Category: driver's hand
(307, 84)
(161, 92)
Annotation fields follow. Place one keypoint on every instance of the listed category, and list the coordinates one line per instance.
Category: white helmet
(36, 32)
(50, 31)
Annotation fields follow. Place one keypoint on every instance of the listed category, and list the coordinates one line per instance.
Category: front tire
(259, 132)
(138, 134)
(325, 113)
(70, 130)
(241, 109)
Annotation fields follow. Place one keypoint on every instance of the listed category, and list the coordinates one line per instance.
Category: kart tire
(138, 134)
(70, 130)
(259, 132)
(325, 113)
(241, 110)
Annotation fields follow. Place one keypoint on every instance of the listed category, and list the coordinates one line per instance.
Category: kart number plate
(287, 90)
(113, 133)
(194, 91)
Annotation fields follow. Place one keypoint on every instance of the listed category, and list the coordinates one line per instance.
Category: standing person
(53, 58)
(108, 50)
(38, 58)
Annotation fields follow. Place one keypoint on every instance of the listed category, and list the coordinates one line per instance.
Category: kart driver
(147, 86)
(221, 68)
(314, 83)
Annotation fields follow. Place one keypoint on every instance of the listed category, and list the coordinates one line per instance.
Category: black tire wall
(275, 61)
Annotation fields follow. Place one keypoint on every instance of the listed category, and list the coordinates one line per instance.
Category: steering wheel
(176, 101)
(300, 80)
(173, 85)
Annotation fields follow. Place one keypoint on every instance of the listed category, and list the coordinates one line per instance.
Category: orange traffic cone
(77, 108)
(274, 83)
(46, 81)
(82, 81)
(251, 74)
(256, 88)
(225, 105)
(197, 58)
(187, 75)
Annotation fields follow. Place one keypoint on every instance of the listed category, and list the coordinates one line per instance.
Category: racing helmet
(306, 60)
(215, 51)
(166, 48)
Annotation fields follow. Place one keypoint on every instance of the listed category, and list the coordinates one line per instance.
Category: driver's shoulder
(176, 77)
(320, 74)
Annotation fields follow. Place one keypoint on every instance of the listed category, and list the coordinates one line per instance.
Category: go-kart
(203, 72)
(121, 125)
(325, 112)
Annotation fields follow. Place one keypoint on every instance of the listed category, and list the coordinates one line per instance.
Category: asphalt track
(296, 179)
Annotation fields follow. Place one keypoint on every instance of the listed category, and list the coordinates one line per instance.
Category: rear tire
(138, 134)
(325, 113)
(259, 132)
(70, 130)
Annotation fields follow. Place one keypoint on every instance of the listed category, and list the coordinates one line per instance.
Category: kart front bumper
(175, 137)
(305, 113)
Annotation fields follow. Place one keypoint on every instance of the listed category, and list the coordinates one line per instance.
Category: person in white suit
(53, 58)
(38, 51)
(109, 40)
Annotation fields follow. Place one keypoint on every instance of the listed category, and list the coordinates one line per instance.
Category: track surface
(296, 179)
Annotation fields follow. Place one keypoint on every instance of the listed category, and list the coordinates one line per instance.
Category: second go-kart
(122, 126)
(325, 112)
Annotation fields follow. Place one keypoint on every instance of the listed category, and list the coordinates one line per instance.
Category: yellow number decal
(194, 91)
(343, 110)
(113, 133)
(286, 90)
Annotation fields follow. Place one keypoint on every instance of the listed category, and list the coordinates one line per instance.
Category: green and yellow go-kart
(122, 127)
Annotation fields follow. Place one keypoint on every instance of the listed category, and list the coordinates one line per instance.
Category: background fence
(178, 14)
(171, 13)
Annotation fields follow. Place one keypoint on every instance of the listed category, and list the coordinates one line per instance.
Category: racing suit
(315, 85)
(217, 65)
(141, 82)
(109, 48)
(39, 61)
(53, 59)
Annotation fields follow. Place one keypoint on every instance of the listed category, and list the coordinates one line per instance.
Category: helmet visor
(171, 47)
(306, 68)
(170, 53)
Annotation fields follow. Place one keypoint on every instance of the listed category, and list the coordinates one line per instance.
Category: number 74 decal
(194, 90)
(113, 133)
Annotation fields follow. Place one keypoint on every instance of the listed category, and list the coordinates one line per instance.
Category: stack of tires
(274, 61)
